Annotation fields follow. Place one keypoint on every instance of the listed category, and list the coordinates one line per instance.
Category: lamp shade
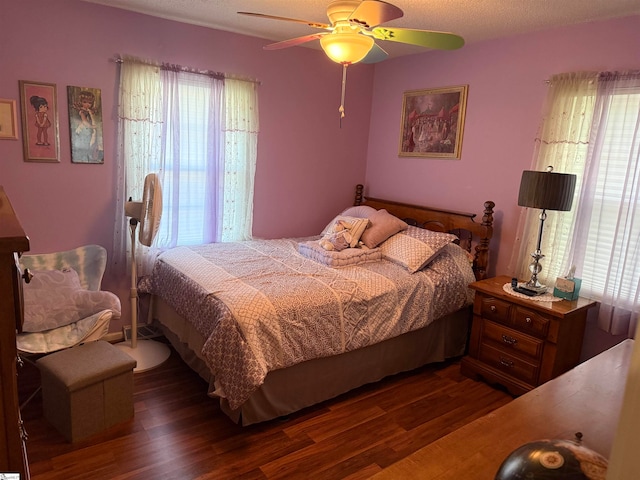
(547, 190)
(346, 48)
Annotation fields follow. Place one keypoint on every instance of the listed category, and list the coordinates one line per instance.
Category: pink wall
(308, 165)
(507, 88)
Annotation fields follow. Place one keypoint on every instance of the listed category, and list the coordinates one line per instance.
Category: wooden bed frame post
(358, 197)
(482, 249)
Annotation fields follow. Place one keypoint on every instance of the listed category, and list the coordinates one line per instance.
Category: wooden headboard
(474, 237)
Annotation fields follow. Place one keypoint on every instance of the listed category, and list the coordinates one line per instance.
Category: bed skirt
(288, 390)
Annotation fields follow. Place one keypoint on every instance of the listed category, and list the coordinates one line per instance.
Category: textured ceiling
(474, 20)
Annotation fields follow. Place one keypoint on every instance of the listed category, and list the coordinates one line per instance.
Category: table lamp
(547, 191)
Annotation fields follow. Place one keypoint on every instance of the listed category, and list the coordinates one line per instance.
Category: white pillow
(415, 247)
(360, 211)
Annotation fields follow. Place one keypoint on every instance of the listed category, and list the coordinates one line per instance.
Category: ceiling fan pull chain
(344, 85)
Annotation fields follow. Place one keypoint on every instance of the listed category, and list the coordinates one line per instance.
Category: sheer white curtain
(140, 125)
(241, 150)
(562, 142)
(198, 131)
(606, 248)
(192, 162)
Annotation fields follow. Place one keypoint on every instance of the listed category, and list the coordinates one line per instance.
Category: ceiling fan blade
(371, 13)
(423, 38)
(324, 26)
(294, 41)
(375, 55)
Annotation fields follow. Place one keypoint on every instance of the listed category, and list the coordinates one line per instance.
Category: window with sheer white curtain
(198, 131)
(592, 128)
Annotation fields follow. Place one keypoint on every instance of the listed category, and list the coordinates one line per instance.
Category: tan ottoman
(87, 388)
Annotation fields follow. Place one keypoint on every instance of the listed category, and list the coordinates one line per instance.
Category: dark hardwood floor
(178, 432)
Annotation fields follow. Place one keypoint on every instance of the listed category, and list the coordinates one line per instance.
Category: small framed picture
(8, 120)
(39, 121)
(432, 122)
(85, 124)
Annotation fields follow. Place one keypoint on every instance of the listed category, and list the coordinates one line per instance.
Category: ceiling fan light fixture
(346, 48)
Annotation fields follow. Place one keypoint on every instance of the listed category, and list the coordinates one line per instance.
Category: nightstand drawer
(495, 309)
(531, 322)
(508, 339)
(509, 364)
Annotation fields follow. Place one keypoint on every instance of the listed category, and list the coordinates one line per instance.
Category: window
(612, 232)
(592, 129)
(198, 131)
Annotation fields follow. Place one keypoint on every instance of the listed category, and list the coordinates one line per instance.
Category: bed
(275, 326)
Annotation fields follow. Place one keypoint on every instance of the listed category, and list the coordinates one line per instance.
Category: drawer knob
(493, 308)
(506, 363)
(528, 320)
(509, 340)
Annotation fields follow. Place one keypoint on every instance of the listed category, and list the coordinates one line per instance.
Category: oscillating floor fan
(147, 353)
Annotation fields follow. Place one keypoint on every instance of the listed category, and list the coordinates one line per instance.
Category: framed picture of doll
(39, 121)
(85, 124)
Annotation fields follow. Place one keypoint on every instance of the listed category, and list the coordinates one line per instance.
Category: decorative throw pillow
(383, 225)
(416, 247)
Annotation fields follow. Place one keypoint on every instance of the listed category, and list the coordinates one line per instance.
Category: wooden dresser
(13, 241)
(522, 343)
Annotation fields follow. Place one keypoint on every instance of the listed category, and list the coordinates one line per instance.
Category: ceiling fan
(355, 25)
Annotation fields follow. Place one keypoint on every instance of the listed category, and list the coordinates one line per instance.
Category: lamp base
(536, 289)
(148, 353)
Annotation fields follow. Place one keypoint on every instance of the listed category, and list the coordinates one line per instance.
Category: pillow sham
(54, 298)
(345, 230)
(351, 256)
(383, 225)
(415, 247)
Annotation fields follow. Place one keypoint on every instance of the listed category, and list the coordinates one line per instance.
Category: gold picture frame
(40, 137)
(8, 120)
(432, 123)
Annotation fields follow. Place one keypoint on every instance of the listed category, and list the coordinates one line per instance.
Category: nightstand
(521, 343)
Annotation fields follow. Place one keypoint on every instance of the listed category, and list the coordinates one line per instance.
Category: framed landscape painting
(432, 122)
(39, 122)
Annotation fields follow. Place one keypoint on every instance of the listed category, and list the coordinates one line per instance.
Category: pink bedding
(263, 306)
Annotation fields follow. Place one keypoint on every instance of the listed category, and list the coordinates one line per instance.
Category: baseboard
(114, 337)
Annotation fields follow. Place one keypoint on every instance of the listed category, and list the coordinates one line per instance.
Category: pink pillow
(382, 226)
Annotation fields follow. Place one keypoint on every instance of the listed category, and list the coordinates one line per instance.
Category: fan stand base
(148, 354)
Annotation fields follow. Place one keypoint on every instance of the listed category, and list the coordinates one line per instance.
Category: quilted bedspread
(262, 306)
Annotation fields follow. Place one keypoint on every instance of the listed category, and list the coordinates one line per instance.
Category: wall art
(85, 124)
(39, 121)
(432, 122)
(8, 120)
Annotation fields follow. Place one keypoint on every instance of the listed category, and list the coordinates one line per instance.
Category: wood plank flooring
(178, 432)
